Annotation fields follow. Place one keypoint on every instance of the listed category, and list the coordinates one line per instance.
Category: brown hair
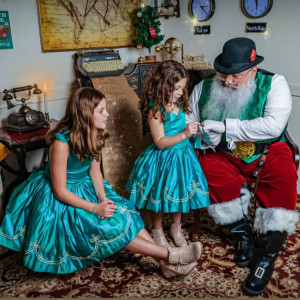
(161, 84)
(85, 138)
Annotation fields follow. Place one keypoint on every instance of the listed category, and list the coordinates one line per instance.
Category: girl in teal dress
(167, 177)
(65, 216)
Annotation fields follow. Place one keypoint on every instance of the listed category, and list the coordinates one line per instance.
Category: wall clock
(256, 8)
(202, 10)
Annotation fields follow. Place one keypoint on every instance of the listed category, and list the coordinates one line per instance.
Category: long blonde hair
(85, 138)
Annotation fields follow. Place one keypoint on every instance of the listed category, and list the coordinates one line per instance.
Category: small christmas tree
(147, 27)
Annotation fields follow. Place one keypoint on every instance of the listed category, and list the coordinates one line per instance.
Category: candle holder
(47, 119)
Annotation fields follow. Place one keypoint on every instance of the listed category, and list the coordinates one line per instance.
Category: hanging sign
(205, 29)
(5, 32)
(256, 27)
(153, 33)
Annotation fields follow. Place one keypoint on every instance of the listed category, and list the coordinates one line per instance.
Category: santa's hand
(200, 129)
(213, 126)
(214, 138)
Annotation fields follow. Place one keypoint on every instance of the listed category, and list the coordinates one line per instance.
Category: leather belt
(253, 185)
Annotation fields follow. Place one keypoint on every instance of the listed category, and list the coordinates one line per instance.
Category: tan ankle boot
(176, 234)
(177, 270)
(185, 255)
(159, 238)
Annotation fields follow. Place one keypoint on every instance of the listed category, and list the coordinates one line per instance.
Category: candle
(45, 98)
(45, 103)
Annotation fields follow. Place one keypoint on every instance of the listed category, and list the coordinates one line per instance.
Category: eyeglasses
(237, 76)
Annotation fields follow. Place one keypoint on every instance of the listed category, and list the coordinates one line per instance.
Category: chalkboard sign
(256, 27)
(205, 29)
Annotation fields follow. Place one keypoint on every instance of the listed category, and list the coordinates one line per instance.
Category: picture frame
(167, 8)
(83, 24)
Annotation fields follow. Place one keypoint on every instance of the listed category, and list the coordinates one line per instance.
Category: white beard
(228, 102)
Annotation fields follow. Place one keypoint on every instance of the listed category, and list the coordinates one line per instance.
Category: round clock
(256, 8)
(202, 10)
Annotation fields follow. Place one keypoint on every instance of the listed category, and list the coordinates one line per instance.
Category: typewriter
(97, 63)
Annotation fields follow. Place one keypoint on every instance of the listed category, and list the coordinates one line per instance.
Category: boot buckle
(240, 245)
(259, 272)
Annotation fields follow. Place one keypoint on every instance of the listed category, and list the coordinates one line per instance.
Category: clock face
(256, 8)
(202, 10)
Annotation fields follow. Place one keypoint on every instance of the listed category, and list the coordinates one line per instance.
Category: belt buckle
(244, 149)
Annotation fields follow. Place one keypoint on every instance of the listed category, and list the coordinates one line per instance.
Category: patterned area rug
(127, 275)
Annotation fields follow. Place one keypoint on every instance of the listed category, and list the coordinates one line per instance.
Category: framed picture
(84, 24)
(167, 8)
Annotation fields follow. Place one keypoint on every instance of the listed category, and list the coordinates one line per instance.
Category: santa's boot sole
(252, 292)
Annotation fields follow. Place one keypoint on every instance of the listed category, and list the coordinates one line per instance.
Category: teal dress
(59, 238)
(169, 180)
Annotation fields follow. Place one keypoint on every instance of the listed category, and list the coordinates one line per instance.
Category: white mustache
(229, 85)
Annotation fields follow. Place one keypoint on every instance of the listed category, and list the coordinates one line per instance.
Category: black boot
(269, 245)
(244, 244)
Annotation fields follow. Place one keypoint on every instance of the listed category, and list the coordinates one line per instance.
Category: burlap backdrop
(125, 128)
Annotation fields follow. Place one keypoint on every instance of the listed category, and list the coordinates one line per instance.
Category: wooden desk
(137, 74)
(20, 144)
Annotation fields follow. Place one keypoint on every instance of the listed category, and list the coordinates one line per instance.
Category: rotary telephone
(25, 121)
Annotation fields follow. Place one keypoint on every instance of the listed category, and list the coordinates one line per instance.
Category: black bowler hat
(238, 54)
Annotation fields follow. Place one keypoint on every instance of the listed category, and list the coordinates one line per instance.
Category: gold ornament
(141, 60)
(244, 149)
(171, 48)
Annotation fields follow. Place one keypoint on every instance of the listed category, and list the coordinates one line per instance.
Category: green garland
(146, 19)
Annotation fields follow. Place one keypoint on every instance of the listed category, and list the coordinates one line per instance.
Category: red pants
(277, 184)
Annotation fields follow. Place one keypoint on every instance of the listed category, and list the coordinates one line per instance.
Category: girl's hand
(106, 209)
(191, 129)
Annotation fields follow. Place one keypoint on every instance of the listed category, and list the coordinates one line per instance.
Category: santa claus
(241, 146)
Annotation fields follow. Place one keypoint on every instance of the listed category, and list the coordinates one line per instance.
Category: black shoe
(263, 263)
(244, 244)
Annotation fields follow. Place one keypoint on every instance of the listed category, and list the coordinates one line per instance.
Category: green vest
(255, 107)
